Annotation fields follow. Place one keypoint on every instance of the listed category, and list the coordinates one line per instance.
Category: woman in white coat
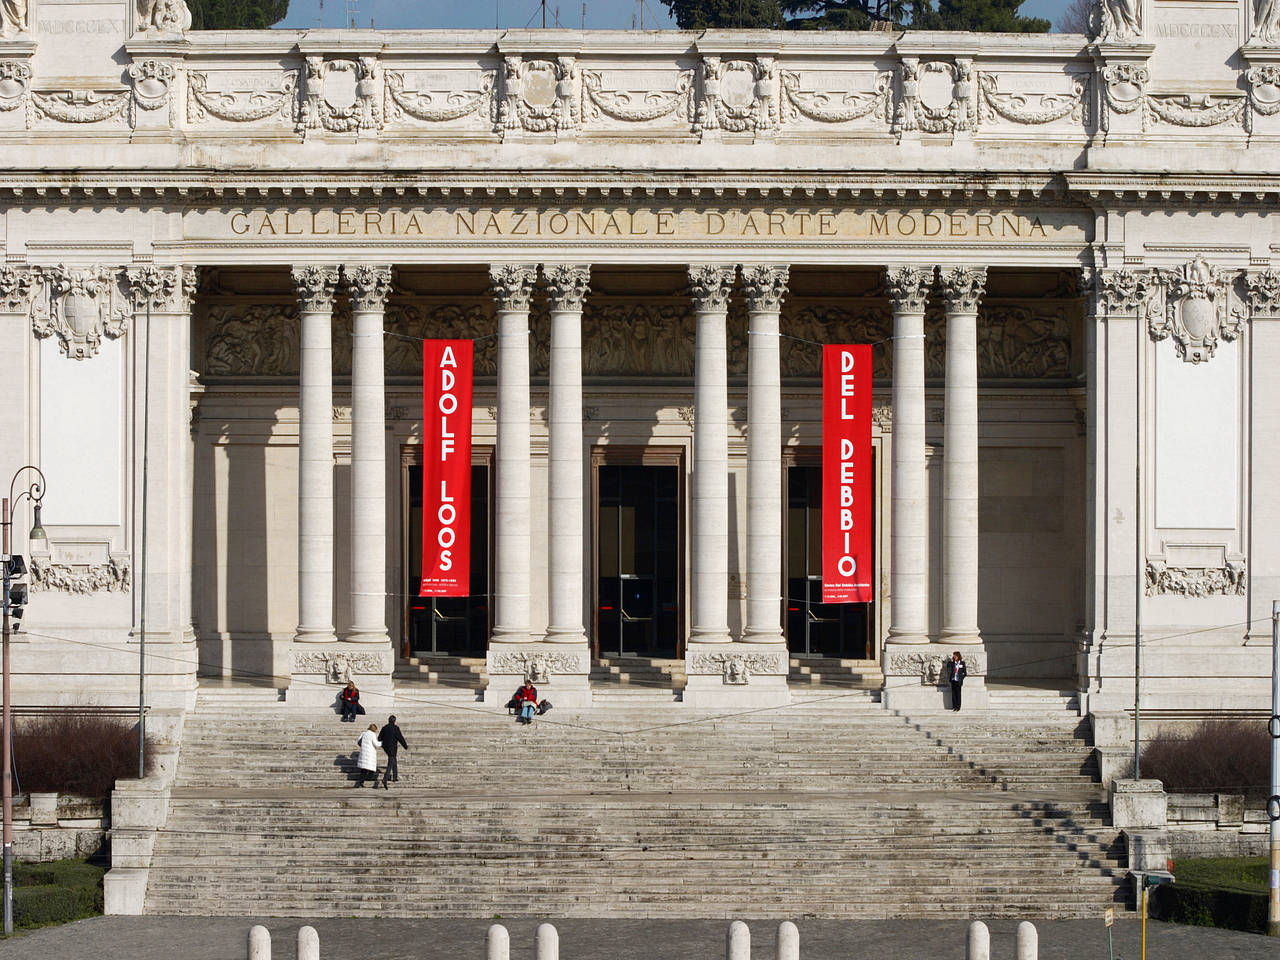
(367, 763)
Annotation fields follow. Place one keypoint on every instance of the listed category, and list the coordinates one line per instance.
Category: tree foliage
(977, 15)
(1076, 17)
(236, 14)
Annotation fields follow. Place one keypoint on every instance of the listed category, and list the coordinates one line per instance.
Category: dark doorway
(815, 629)
(638, 551)
(449, 626)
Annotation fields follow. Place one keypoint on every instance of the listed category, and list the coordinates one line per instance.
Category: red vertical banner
(446, 468)
(846, 473)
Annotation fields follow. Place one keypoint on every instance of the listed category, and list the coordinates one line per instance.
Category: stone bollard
(499, 943)
(259, 943)
(979, 946)
(308, 944)
(788, 941)
(548, 942)
(739, 941)
(1028, 941)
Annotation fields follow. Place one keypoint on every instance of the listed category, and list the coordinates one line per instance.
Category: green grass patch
(1225, 892)
(45, 894)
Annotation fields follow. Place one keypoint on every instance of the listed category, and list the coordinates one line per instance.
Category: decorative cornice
(369, 285)
(962, 288)
(710, 286)
(315, 285)
(513, 284)
(908, 287)
(567, 284)
(764, 286)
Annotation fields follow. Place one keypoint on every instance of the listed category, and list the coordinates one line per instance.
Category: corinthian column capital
(567, 284)
(764, 285)
(369, 284)
(962, 287)
(908, 287)
(513, 284)
(315, 284)
(161, 288)
(710, 285)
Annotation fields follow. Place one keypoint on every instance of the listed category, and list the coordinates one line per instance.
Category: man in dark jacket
(392, 740)
(956, 672)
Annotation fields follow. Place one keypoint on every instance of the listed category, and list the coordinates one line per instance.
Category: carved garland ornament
(1228, 581)
(234, 107)
(836, 107)
(637, 108)
(1196, 310)
(930, 667)
(536, 666)
(1032, 108)
(425, 107)
(114, 576)
(339, 668)
(737, 668)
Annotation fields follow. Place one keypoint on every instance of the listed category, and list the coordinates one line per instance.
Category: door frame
(657, 455)
(411, 456)
(811, 456)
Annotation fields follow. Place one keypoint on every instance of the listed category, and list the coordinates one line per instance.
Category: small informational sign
(1110, 916)
(447, 367)
(846, 473)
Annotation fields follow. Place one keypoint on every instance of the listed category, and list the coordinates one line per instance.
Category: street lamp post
(35, 493)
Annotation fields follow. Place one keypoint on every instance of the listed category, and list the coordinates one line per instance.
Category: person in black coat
(956, 672)
(392, 740)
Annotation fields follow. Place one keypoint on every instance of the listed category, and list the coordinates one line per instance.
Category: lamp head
(37, 531)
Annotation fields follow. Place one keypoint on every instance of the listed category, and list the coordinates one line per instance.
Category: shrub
(76, 753)
(1219, 756)
(48, 893)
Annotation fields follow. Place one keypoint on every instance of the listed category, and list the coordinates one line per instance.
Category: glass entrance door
(637, 560)
(816, 629)
(450, 626)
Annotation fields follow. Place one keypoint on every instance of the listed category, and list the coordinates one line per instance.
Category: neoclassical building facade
(223, 250)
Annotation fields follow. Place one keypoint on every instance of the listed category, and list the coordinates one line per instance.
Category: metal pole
(142, 589)
(6, 720)
(1139, 568)
(1273, 805)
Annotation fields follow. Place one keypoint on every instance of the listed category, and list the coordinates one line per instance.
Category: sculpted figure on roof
(1122, 19)
(13, 13)
(165, 16)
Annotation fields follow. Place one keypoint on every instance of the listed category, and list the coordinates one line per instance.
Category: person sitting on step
(526, 699)
(349, 700)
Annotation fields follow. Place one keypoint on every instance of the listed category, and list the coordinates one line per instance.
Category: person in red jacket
(526, 702)
(350, 698)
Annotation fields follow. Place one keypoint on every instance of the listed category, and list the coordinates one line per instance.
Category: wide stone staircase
(829, 807)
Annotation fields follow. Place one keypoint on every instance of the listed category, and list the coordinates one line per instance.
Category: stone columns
(764, 287)
(962, 287)
(905, 656)
(369, 286)
(315, 285)
(1263, 544)
(711, 286)
(512, 288)
(567, 287)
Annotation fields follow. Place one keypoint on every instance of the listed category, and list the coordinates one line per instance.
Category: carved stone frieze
(253, 340)
(764, 285)
(639, 107)
(905, 121)
(169, 289)
(152, 84)
(241, 106)
(512, 284)
(1194, 306)
(1263, 90)
(369, 285)
(811, 325)
(710, 285)
(739, 96)
(341, 95)
(930, 666)
(1226, 581)
(540, 95)
(567, 284)
(443, 107)
(1124, 88)
(1033, 108)
(80, 307)
(15, 84)
(315, 284)
(538, 666)
(339, 667)
(114, 576)
(1263, 287)
(823, 107)
(1196, 110)
(882, 417)
(736, 668)
(78, 106)
(449, 321)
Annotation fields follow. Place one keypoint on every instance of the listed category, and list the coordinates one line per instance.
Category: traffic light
(15, 590)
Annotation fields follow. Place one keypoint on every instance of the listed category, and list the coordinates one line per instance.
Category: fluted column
(962, 287)
(369, 286)
(315, 286)
(909, 545)
(764, 286)
(567, 287)
(512, 288)
(710, 286)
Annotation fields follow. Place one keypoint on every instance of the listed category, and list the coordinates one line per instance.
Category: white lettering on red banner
(446, 468)
(846, 474)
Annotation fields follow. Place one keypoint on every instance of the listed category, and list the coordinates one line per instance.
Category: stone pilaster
(906, 657)
(567, 289)
(1263, 544)
(962, 288)
(369, 286)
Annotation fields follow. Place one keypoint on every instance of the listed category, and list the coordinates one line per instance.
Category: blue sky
(600, 14)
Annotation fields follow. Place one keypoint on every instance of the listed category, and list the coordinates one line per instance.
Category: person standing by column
(392, 740)
(956, 672)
